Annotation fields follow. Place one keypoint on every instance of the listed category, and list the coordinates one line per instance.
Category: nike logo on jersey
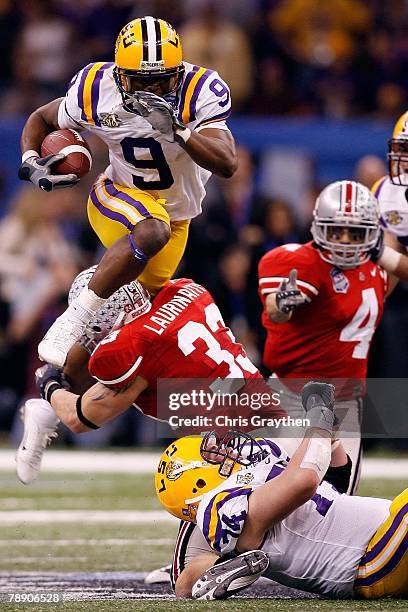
(373, 271)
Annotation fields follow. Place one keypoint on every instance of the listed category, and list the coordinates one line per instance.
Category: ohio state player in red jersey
(182, 335)
(320, 324)
(329, 335)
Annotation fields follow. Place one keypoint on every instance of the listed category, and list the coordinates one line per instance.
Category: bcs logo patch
(110, 120)
(340, 282)
(244, 479)
(393, 217)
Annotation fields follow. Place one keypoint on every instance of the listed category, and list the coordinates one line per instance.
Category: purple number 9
(220, 91)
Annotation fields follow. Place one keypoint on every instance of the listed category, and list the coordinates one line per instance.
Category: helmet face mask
(148, 57)
(233, 448)
(398, 161)
(192, 466)
(346, 224)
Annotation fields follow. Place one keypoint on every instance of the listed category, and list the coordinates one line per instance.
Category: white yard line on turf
(12, 517)
(90, 542)
(106, 462)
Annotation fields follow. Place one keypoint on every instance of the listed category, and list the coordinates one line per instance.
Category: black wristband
(50, 387)
(339, 476)
(81, 416)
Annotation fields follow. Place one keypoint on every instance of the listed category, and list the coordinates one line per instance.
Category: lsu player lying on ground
(163, 121)
(180, 334)
(276, 518)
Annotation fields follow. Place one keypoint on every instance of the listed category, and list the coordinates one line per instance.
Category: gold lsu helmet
(192, 466)
(147, 50)
(398, 152)
(183, 477)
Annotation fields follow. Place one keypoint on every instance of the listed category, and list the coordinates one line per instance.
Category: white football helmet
(131, 298)
(351, 205)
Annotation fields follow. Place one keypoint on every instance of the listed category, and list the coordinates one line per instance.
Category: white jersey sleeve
(204, 99)
(79, 108)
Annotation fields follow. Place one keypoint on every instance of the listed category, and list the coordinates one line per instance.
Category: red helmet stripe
(348, 199)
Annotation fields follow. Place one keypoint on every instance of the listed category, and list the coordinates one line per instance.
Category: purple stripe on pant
(386, 537)
(121, 195)
(106, 212)
(388, 567)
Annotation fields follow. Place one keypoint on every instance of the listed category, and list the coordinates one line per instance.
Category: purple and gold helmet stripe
(89, 90)
(191, 89)
(157, 29)
(143, 27)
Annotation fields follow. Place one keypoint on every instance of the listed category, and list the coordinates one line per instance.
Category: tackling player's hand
(48, 379)
(378, 249)
(38, 170)
(289, 296)
(160, 114)
(318, 402)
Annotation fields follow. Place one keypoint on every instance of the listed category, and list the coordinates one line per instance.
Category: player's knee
(151, 236)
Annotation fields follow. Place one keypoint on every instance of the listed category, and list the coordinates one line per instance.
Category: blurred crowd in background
(337, 59)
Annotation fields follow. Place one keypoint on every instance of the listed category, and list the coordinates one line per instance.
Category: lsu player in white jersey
(163, 121)
(392, 193)
(248, 510)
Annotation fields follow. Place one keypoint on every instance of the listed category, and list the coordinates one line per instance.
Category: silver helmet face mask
(398, 161)
(350, 205)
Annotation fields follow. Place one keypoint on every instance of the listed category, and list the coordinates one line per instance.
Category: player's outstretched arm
(97, 406)
(391, 255)
(213, 150)
(280, 305)
(276, 499)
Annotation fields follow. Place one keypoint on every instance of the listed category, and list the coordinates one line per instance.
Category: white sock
(87, 301)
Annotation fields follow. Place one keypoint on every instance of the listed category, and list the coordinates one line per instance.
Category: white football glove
(160, 114)
(289, 296)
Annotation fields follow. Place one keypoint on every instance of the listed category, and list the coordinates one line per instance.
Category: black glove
(38, 171)
(378, 249)
(48, 379)
(289, 296)
(159, 113)
(318, 402)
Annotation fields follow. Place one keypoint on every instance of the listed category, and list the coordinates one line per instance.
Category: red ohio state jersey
(330, 335)
(182, 336)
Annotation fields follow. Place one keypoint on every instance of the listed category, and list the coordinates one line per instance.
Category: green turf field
(112, 546)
